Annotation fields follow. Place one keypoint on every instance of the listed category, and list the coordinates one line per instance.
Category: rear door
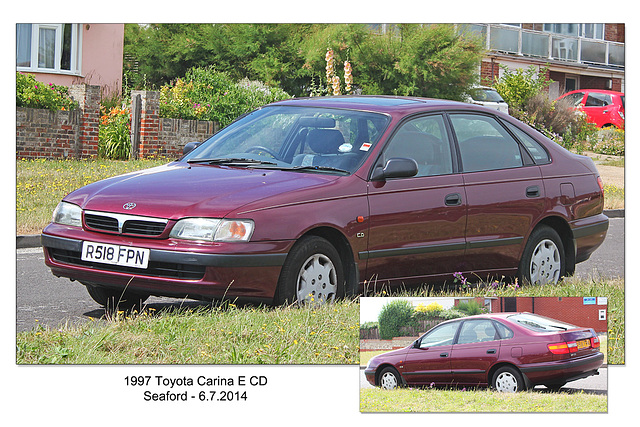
(476, 350)
(503, 190)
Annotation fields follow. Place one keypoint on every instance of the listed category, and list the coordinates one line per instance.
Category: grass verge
(480, 400)
(219, 335)
(41, 184)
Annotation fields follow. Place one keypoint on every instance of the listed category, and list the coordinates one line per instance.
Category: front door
(417, 224)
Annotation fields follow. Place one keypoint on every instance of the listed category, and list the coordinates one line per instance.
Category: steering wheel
(257, 148)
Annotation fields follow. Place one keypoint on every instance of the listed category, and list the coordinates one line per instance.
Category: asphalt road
(44, 300)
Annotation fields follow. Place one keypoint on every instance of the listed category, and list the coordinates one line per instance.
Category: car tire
(543, 260)
(507, 379)
(114, 299)
(389, 379)
(312, 273)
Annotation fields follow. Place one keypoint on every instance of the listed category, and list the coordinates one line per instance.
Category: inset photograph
(498, 354)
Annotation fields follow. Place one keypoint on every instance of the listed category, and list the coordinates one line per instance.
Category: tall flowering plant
(333, 81)
(114, 133)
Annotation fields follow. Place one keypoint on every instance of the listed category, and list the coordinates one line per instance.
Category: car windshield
(302, 139)
(540, 323)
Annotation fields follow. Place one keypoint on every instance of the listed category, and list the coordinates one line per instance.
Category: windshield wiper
(318, 168)
(231, 161)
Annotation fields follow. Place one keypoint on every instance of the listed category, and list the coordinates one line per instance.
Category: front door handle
(453, 199)
(444, 354)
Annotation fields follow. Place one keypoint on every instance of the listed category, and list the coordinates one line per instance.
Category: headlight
(67, 214)
(213, 230)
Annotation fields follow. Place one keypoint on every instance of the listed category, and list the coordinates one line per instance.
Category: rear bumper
(562, 371)
(588, 235)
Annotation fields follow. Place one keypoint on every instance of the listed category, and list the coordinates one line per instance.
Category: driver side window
(424, 140)
(440, 335)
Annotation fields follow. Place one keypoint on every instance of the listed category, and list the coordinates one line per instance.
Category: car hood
(178, 190)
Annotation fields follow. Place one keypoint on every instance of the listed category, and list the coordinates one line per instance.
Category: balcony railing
(518, 41)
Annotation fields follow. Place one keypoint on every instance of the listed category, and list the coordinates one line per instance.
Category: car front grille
(124, 224)
(154, 269)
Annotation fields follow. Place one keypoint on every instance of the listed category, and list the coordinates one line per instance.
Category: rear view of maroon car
(309, 199)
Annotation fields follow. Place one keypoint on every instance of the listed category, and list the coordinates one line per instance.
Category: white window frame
(76, 55)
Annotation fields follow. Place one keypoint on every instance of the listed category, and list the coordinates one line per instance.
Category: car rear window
(540, 323)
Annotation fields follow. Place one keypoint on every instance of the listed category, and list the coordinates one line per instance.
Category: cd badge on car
(129, 206)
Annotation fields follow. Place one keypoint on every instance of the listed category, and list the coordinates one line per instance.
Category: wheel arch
(382, 367)
(561, 226)
(341, 243)
(498, 365)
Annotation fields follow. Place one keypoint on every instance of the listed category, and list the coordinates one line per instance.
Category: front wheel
(312, 273)
(507, 380)
(390, 379)
(543, 259)
(113, 299)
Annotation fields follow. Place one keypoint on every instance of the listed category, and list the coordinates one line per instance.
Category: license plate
(584, 344)
(126, 256)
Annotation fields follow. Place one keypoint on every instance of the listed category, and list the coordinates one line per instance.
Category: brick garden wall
(45, 134)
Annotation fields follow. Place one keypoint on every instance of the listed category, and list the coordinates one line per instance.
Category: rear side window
(484, 144)
(539, 154)
(540, 323)
(597, 100)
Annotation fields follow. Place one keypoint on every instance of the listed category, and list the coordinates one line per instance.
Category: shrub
(470, 308)
(423, 312)
(393, 316)
(609, 141)
(114, 138)
(207, 94)
(34, 94)
(517, 87)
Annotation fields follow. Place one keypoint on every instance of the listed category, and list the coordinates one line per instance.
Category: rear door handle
(491, 351)
(533, 191)
(453, 199)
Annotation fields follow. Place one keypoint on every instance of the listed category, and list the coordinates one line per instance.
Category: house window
(51, 48)
(589, 31)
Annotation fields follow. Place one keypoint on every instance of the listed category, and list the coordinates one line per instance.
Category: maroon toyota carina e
(508, 351)
(309, 198)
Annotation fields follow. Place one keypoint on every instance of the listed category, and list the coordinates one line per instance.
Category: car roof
(610, 92)
(378, 103)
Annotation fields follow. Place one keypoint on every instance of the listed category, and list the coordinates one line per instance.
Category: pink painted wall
(102, 50)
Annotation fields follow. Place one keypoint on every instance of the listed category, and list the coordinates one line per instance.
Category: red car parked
(602, 107)
(508, 351)
(308, 199)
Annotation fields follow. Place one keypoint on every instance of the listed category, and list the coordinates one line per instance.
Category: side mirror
(189, 147)
(396, 167)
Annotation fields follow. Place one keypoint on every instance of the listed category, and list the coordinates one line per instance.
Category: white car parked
(488, 97)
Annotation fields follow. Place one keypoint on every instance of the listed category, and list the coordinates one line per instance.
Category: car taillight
(595, 342)
(621, 113)
(563, 347)
(600, 184)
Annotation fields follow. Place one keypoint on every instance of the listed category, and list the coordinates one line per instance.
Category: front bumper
(194, 270)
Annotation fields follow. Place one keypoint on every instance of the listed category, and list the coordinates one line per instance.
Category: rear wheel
(507, 380)
(543, 259)
(113, 299)
(312, 273)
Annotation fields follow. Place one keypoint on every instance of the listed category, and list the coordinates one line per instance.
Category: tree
(393, 316)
